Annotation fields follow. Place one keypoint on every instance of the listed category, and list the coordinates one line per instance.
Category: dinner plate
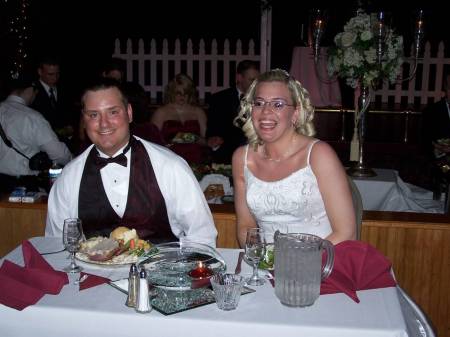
(116, 261)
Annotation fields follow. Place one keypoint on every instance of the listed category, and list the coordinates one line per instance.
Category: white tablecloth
(388, 192)
(100, 311)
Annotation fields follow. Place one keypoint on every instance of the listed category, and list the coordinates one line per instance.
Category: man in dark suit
(222, 135)
(436, 140)
(49, 100)
(436, 124)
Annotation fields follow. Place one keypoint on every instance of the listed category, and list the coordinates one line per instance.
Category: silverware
(82, 279)
(239, 263)
(58, 251)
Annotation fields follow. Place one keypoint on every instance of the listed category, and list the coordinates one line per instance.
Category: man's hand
(215, 142)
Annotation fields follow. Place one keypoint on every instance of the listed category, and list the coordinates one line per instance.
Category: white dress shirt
(30, 133)
(188, 212)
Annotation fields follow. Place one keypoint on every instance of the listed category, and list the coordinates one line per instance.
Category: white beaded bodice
(292, 204)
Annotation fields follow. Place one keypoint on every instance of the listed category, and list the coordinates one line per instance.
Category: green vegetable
(267, 262)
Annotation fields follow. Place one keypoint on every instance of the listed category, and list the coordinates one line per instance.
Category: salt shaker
(143, 299)
(133, 280)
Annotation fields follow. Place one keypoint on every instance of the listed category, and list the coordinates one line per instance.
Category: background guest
(285, 179)
(122, 180)
(140, 103)
(222, 135)
(182, 115)
(436, 125)
(436, 139)
(29, 133)
(51, 100)
(114, 69)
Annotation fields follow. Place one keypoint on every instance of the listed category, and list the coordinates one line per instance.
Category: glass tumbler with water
(298, 267)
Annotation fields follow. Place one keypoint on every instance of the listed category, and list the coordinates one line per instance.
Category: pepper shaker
(133, 279)
(143, 299)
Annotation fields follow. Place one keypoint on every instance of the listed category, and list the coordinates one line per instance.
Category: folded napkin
(92, 280)
(357, 266)
(24, 286)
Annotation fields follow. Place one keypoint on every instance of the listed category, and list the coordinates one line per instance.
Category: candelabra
(378, 37)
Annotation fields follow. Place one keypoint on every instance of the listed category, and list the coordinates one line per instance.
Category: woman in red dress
(182, 121)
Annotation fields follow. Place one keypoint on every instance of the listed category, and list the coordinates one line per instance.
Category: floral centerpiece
(354, 55)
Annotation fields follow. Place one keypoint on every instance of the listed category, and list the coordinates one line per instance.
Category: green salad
(267, 262)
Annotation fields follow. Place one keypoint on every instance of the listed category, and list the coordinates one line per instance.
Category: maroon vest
(145, 210)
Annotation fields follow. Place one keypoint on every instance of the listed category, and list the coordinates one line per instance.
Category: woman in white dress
(285, 179)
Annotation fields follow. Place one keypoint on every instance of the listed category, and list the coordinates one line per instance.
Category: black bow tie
(121, 159)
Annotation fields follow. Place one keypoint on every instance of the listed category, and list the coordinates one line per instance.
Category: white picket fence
(212, 70)
(425, 86)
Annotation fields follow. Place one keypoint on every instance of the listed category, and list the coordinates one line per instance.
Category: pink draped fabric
(323, 92)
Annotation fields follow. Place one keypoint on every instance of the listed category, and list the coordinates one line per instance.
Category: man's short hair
(114, 63)
(20, 84)
(245, 65)
(103, 83)
(49, 60)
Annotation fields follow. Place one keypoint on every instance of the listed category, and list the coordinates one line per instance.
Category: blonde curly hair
(300, 97)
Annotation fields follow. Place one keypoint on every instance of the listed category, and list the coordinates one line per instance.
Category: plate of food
(185, 138)
(122, 247)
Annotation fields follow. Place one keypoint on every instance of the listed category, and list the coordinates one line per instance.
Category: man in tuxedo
(436, 124)
(222, 135)
(50, 100)
(436, 139)
(122, 180)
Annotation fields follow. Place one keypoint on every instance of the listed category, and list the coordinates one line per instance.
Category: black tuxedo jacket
(436, 123)
(223, 108)
(57, 116)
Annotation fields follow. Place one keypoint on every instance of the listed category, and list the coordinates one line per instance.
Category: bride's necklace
(284, 156)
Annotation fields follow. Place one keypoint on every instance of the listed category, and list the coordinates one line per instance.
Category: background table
(388, 192)
(100, 311)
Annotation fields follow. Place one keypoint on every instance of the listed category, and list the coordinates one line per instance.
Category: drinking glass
(72, 237)
(255, 249)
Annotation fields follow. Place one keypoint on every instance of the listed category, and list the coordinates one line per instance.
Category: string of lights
(20, 35)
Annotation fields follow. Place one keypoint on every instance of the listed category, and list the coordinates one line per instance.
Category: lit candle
(200, 271)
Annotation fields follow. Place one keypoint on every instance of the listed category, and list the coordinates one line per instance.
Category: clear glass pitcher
(298, 267)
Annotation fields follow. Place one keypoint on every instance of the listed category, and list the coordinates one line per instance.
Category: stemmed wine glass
(72, 237)
(255, 248)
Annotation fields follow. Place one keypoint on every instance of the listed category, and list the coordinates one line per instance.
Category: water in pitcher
(298, 268)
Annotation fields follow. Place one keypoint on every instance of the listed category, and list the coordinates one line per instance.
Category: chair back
(357, 205)
(417, 323)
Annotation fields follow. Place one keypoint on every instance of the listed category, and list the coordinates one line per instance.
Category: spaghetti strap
(310, 149)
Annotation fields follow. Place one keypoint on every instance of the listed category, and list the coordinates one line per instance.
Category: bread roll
(124, 233)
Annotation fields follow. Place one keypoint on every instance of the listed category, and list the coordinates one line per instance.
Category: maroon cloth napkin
(24, 286)
(92, 280)
(357, 266)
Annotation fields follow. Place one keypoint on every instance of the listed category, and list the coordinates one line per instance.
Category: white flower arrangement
(354, 55)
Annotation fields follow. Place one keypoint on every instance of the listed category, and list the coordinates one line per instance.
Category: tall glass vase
(360, 169)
